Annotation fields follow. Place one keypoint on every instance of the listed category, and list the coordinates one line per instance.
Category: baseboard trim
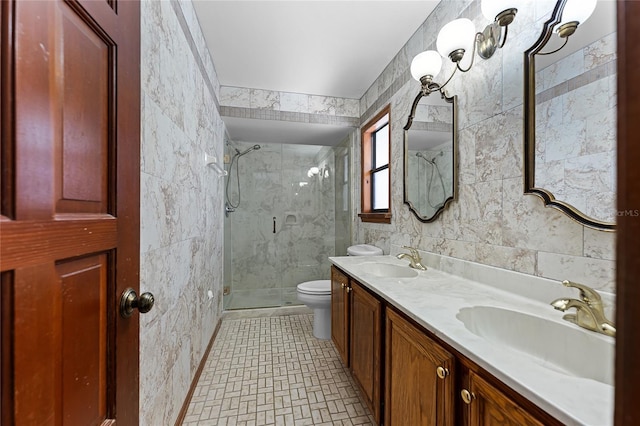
(196, 378)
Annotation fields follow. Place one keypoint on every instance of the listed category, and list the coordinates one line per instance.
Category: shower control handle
(274, 224)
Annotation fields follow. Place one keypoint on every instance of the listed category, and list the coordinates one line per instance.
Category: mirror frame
(433, 88)
(530, 129)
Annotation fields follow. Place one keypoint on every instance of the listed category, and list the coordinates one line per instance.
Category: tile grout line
(288, 363)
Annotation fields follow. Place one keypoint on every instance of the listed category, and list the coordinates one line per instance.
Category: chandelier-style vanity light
(458, 37)
(575, 12)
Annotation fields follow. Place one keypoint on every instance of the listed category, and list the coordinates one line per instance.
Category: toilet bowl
(317, 294)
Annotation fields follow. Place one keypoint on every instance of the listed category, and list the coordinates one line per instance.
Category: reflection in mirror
(430, 155)
(570, 117)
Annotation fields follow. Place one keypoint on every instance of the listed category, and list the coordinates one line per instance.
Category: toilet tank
(364, 250)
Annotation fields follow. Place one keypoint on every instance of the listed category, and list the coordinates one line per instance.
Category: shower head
(421, 155)
(248, 150)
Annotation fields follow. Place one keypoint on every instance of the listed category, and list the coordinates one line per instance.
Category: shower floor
(261, 298)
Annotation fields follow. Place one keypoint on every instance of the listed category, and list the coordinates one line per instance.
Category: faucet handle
(414, 251)
(587, 294)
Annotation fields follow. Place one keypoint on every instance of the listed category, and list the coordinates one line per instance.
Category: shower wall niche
(283, 230)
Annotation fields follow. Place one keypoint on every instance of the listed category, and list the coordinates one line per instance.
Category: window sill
(375, 217)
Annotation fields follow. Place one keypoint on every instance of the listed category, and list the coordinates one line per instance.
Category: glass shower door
(283, 231)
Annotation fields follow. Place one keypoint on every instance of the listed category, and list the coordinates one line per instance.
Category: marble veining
(576, 129)
(343, 198)
(288, 102)
(181, 206)
(264, 99)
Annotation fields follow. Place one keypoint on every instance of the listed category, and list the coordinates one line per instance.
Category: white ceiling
(329, 48)
(266, 131)
(322, 47)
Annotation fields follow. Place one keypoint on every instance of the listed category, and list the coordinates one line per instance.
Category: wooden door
(340, 313)
(366, 331)
(627, 411)
(490, 407)
(69, 224)
(414, 392)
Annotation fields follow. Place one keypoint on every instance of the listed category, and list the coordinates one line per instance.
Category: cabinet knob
(467, 396)
(442, 372)
(342, 285)
(349, 289)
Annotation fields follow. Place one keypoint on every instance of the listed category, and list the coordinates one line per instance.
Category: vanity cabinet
(340, 313)
(419, 377)
(356, 331)
(365, 345)
(489, 406)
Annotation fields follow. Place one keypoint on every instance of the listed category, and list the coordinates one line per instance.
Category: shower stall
(430, 178)
(280, 224)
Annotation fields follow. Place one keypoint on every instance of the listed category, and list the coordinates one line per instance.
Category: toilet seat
(318, 287)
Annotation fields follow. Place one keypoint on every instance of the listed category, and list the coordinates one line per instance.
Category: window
(376, 171)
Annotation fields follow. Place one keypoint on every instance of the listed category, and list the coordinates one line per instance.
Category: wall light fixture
(574, 13)
(458, 37)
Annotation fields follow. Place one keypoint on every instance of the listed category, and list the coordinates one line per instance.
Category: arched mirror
(430, 146)
(570, 113)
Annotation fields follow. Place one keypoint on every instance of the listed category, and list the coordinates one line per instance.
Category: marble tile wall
(242, 97)
(292, 185)
(181, 206)
(492, 222)
(343, 194)
(259, 104)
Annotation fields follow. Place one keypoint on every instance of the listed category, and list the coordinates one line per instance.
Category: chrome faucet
(414, 258)
(589, 310)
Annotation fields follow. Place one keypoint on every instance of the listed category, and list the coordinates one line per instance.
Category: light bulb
(457, 35)
(426, 63)
(578, 11)
(492, 8)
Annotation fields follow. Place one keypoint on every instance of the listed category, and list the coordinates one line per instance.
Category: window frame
(367, 170)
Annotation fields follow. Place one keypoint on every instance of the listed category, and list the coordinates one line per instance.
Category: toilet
(364, 250)
(317, 294)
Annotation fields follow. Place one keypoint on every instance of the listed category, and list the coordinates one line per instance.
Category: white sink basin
(557, 346)
(388, 270)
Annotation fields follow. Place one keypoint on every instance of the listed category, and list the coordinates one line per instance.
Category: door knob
(130, 301)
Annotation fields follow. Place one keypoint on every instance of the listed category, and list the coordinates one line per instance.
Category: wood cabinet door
(366, 333)
(69, 211)
(340, 313)
(414, 394)
(489, 406)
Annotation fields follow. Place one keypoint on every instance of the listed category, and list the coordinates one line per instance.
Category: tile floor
(272, 371)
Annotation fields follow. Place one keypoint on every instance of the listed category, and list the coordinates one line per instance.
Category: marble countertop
(434, 298)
